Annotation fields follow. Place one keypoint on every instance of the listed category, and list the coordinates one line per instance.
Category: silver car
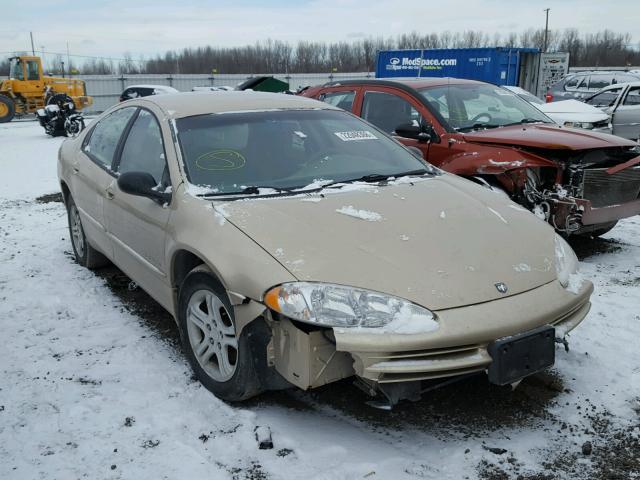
(583, 84)
(296, 245)
(622, 103)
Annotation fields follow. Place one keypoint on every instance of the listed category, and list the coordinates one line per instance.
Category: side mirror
(422, 133)
(142, 184)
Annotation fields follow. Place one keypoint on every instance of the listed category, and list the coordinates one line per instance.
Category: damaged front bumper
(460, 345)
(395, 365)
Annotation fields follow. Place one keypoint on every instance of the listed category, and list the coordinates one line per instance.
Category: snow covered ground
(91, 387)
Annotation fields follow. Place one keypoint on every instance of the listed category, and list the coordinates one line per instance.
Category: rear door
(93, 173)
(344, 97)
(626, 117)
(137, 225)
(388, 108)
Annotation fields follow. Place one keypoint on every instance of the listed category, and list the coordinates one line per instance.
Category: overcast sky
(145, 27)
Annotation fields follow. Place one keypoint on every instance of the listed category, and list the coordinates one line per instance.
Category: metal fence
(105, 89)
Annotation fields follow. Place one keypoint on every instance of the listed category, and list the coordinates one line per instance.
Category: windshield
(478, 106)
(15, 70)
(287, 149)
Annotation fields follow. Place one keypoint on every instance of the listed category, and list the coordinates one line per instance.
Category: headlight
(566, 261)
(339, 306)
(585, 125)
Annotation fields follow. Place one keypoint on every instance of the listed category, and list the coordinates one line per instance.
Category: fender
(488, 160)
(507, 164)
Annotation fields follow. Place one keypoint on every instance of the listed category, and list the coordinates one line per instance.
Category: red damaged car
(581, 182)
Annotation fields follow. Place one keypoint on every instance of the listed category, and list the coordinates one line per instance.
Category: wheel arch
(66, 193)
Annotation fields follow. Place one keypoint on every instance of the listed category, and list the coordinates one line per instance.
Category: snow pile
(576, 280)
(361, 214)
(522, 267)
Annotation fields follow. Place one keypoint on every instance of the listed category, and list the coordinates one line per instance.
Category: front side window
(604, 99)
(478, 106)
(32, 70)
(227, 153)
(343, 100)
(573, 83)
(143, 150)
(16, 70)
(633, 96)
(106, 134)
(388, 111)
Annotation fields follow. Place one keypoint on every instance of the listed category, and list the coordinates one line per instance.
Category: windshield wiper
(477, 126)
(251, 190)
(523, 121)
(380, 177)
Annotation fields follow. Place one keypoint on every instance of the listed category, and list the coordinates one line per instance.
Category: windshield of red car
(479, 106)
(287, 149)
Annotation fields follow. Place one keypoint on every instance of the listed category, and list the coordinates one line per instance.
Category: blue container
(497, 65)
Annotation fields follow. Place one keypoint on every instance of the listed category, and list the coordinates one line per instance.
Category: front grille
(604, 190)
(428, 364)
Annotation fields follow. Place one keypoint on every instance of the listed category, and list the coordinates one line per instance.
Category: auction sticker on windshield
(356, 135)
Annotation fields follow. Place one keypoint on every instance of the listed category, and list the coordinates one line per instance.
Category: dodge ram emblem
(501, 287)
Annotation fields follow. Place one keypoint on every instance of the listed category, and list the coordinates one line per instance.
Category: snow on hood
(441, 243)
(569, 106)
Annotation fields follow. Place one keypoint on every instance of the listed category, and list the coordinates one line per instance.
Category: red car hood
(547, 136)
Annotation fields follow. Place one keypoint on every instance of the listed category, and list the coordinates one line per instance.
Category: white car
(568, 113)
(223, 88)
(137, 91)
(622, 102)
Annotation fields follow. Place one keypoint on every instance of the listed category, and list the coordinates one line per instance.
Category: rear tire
(7, 109)
(85, 254)
(222, 361)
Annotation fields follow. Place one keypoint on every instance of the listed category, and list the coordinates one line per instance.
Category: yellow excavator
(28, 89)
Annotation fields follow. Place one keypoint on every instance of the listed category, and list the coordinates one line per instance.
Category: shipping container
(522, 67)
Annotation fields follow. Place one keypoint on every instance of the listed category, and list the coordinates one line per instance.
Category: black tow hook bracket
(564, 342)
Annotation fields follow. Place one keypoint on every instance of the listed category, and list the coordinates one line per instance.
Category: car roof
(186, 104)
(618, 85)
(412, 82)
(606, 72)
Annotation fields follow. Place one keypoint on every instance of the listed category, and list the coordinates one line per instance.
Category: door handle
(76, 170)
(109, 193)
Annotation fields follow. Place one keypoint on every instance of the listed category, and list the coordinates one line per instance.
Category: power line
(12, 52)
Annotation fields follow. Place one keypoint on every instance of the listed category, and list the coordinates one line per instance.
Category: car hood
(547, 136)
(573, 111)
(440, 242)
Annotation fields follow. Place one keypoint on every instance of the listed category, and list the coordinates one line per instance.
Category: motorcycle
(59, 117)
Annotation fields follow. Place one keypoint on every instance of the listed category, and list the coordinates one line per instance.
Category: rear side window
(143, 150)
(620, 78)
(343, 100)
(106, 134)
(387, 111)
(600, 81)
(633, 96)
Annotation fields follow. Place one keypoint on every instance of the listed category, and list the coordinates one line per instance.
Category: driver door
(137, 225)
(626, 117)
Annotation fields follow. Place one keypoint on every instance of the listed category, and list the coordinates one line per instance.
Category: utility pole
(33, 50)
(546, 31)
(68, 58)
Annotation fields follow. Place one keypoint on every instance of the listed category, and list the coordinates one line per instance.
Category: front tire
(7, 109)
(222, 360)
(85, 254)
